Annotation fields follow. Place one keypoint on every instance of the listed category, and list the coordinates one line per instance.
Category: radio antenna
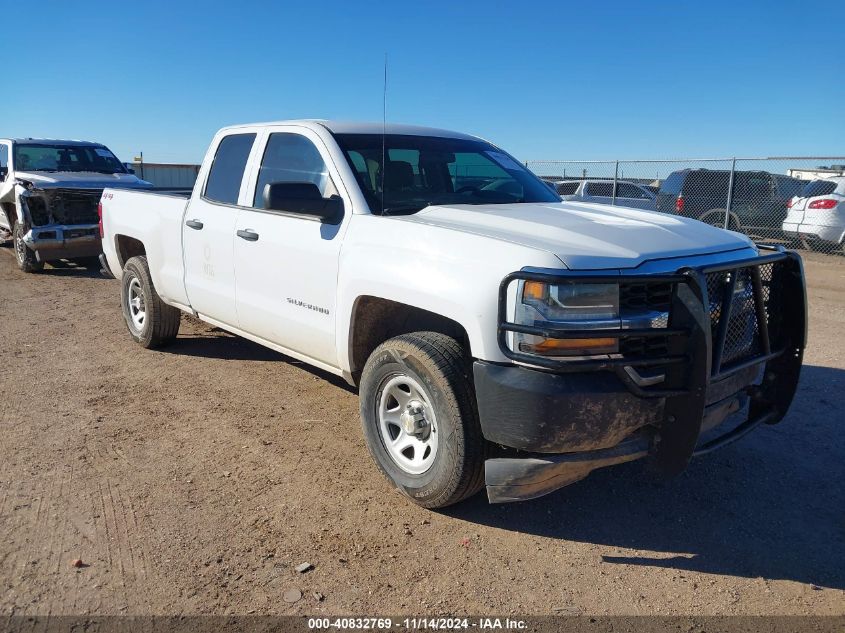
(383, 132)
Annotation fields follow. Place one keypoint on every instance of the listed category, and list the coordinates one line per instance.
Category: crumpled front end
(63, 222)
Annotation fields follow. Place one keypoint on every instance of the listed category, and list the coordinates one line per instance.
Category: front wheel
(27, 261)
(151, 322)
(420, 418)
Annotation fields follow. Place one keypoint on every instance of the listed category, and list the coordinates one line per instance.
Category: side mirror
(303, 198)
(130, 170)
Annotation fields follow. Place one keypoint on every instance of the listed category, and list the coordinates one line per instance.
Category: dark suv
(758, 202)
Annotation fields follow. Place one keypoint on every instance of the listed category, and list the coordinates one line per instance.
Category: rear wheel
(151, 322)
(25, 256)
(420, 418)
(716, 217)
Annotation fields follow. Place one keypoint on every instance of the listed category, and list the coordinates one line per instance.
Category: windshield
(413, 172)
(58, 157)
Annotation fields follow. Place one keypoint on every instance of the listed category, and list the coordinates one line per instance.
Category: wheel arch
(127, 247)
(733, 217)
(10, 210)
(374, 320)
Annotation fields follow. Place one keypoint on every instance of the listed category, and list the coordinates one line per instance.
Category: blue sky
(545, 80)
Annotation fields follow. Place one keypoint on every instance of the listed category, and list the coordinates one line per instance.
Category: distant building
(166, 174)
(817, 172)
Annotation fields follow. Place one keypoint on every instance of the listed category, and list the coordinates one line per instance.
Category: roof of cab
(363, 127)
(51, 141)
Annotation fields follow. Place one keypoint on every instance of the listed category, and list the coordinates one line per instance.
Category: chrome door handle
(195, 224)
(248, 234)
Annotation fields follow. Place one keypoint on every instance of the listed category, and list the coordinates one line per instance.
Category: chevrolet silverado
(497, 335)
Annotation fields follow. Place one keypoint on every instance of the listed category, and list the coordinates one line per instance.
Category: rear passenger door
(208, 231)
(286, 264)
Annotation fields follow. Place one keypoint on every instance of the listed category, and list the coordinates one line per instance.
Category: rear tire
(426, 377)
(716, 217)
(151, 322)
(25, 257)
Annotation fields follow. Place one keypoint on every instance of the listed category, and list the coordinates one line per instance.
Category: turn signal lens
(569, 346)
(535, 290)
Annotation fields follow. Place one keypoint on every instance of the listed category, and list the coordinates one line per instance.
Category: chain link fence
(795, 201)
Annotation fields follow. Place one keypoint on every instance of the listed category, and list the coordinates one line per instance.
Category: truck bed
(152, 218)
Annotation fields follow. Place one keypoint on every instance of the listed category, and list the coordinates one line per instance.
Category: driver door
(286, 265)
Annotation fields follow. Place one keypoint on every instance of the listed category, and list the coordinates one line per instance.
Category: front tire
(27, 261)
(151, 322)
(420, 418)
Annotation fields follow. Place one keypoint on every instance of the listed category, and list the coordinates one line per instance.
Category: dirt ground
(194, 480)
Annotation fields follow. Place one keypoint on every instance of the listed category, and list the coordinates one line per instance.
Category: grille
(643, 304)
(742, 335)
(76, 206)
(641, 346)
(638, 296)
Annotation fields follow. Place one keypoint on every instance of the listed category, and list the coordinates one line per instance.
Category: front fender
(450, 273)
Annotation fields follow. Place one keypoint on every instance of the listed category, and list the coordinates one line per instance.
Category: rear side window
(604, 189)
(627, 190)
(672, 185)
(707, 184)
(567, 188)
(753, 185)
(818, 188)
(227, 170)
(788, 187)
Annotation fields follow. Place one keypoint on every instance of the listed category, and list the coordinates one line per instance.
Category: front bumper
(568, 418)
(61, 241)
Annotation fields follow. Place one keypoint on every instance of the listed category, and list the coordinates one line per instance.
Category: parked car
(758, 200)
(628, 194)
(817, 213)
(49, 191)
(497, 336)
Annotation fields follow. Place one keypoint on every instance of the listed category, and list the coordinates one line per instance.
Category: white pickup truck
(496, 334)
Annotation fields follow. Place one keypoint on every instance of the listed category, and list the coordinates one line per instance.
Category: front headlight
(571, 306)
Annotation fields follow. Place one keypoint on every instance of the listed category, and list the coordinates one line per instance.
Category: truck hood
(587, 236)
(82, 179)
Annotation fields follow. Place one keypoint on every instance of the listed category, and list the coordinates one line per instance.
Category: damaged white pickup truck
(49, 191)
(496, 334)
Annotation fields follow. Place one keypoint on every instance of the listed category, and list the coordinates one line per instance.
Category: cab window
(227, 170)
(292, 158)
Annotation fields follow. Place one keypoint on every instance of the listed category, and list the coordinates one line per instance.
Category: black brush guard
(705, 348)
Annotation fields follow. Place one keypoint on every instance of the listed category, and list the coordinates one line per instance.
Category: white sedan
(817, 213)
(628, 194)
